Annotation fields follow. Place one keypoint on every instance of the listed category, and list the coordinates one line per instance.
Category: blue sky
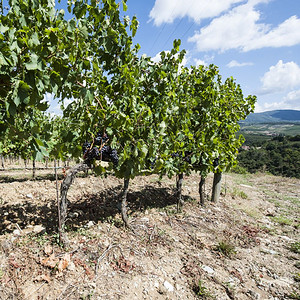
(257, 42)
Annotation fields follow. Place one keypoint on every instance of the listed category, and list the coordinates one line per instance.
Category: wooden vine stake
(180, 202)
(2, 162)
(33, 169)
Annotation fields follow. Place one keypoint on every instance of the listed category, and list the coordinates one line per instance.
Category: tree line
(279, 156)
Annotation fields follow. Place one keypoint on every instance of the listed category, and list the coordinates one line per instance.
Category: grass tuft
(295, 247)
(201, 291)
(226, 248)
(282, 220)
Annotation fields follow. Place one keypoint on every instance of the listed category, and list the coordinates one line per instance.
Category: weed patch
(282, 220)
(226, 248)
(295, 247)
(201, 291)
(238, 193)
(294, 295)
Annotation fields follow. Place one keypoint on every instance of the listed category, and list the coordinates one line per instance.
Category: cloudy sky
(257, 42)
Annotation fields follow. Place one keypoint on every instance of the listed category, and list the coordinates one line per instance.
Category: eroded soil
(246, 246)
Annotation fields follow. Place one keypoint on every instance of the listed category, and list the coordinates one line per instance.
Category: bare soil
(246, 246)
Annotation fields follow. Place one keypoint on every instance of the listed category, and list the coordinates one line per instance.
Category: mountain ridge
(274, 116)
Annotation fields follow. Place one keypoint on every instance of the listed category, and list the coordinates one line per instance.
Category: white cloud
(235, 63)
(274, 106)
(293, 96)
(288, 101)
(280, 77)
(258, 108)
(205, 61)
(199, 62)
(156, 58)
(232, 30)
(240, 29)
(278, 105)
(286, 34)
(166, 11)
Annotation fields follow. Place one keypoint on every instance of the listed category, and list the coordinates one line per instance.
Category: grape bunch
(98, 150)
(86, 148)
(110, 154)
(216, 162)
(101, 139)
(187, 156)
(150, 162)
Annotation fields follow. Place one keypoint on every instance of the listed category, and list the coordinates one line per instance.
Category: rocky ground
(246, 246)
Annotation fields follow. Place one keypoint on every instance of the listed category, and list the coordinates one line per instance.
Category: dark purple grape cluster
(150, 162)
(100, 139)
(216, 162)
(114, 156)
(187, 156)
(99, 150)
(86, 147)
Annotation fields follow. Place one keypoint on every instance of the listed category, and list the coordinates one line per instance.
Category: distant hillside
(274, 116)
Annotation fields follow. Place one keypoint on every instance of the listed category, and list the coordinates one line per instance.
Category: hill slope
(274, 116)
(244, 247)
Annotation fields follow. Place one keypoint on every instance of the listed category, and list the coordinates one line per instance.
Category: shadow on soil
(26, 177)
(95, 207)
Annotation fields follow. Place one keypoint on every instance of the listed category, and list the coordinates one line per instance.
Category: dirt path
(244, 247)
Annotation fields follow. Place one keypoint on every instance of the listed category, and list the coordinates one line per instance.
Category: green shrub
(238, 170)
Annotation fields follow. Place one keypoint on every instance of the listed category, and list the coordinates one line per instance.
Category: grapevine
(142, 117)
